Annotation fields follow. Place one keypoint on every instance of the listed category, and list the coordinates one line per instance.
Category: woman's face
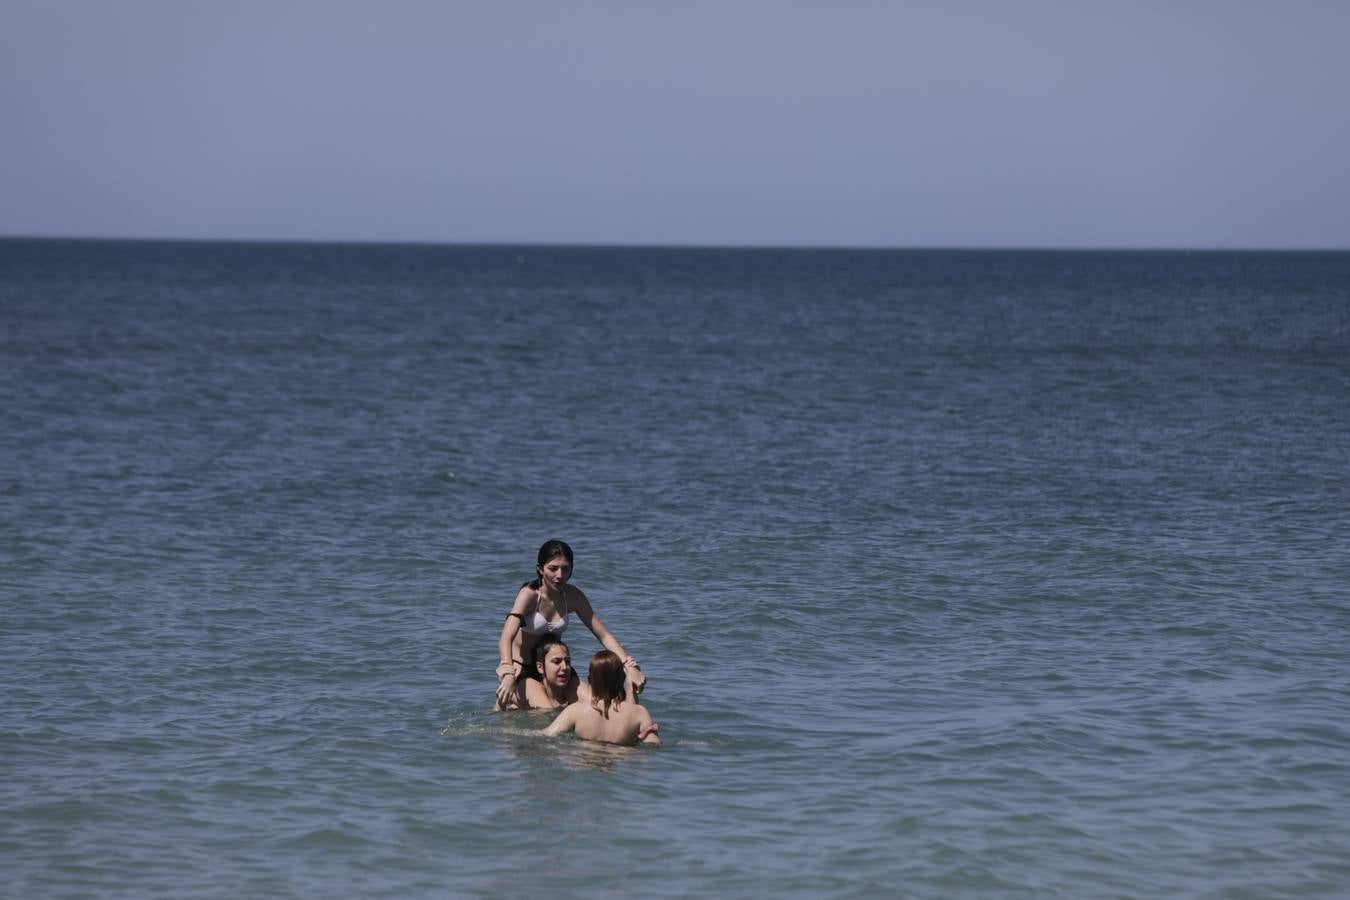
(555, 572)
(557, 666)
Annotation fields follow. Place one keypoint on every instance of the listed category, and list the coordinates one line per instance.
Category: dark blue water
(953, 573)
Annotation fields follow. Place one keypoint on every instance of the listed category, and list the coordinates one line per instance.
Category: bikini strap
(539, 597)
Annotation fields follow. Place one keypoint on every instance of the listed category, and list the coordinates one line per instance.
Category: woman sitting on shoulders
(613, 714)
(556, 685)
(542, 607)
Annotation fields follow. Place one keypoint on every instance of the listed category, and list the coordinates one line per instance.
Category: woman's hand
(506, 690)
(635, 678)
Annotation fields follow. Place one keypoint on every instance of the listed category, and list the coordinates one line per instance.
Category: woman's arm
(508, 671)
(586, 614)
(516, 697)
(647, 729)
(566, 721)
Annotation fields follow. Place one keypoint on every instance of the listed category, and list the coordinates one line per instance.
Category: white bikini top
(535, 625)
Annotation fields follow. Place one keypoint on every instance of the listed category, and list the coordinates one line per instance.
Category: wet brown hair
(607, 681)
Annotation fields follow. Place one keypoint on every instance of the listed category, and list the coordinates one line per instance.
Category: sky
(990, 123)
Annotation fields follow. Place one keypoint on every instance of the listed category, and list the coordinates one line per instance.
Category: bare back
(625, 722)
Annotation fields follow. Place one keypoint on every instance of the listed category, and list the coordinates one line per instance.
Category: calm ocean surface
(955, 574)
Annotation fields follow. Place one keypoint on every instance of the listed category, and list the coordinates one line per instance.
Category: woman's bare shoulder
(577, 599)
(524, 599)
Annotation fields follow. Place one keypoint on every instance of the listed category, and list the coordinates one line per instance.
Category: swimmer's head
(552, 549)
(606, 679)
(554, 565)
(553, 660)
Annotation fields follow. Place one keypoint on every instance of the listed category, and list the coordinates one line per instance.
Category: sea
(954, 573)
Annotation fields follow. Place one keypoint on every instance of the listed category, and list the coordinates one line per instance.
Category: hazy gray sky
(1192, 123)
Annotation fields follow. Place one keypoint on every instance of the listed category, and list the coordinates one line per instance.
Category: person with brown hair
(611, 713)
(541, 607)
(557, 683)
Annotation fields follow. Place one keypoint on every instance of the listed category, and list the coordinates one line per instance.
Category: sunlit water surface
(954, 574)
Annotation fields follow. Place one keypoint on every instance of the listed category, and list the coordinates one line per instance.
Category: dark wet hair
(541, 648)
(607, 681)
(550, 549)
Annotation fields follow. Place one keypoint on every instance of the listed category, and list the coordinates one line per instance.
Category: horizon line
(673, 245)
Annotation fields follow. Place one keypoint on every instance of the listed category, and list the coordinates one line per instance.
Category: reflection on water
(522, 731)
(569, 751)
(522, 722)
(577, 755)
